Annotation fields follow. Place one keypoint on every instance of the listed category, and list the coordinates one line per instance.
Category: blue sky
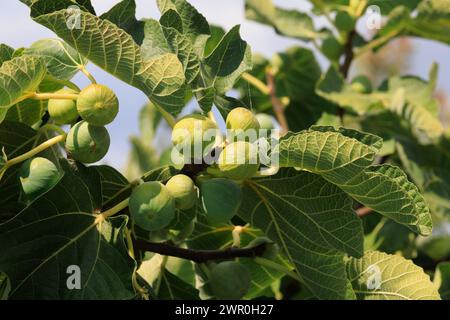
(17, 29)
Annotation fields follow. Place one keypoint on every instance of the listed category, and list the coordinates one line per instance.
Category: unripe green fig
(195, 134)
(238, 160)
(151, 206)
(229, 280)
(37, 176)
(361, 84)
(97, 104)
(332, 48)
(345, 21)
(87, 143)
(221, 199)
(63, 111)
(182, 189)
(271, 249)
(241, 118)
(265, 121)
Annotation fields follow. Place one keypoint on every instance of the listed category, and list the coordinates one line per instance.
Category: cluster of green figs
(87, 141)
(153, 204)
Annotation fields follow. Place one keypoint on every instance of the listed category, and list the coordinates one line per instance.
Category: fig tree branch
(198, 256)
(87, 73)
(345, 66)
(348, 54)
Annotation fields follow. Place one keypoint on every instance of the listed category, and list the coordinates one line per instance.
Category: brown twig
(277, 105)
(349, 54)
(345, 66)
(198, 256)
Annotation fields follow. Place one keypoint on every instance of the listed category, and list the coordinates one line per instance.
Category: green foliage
(346, 209)
(229, 280)
(399, 278)
(332, 48)
(221, 199)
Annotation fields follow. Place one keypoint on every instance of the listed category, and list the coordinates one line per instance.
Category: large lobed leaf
(171, 55)
(312, 221)
(59, 230)
(114, 50)
(344, 157)
(398, 278)
(19, 77)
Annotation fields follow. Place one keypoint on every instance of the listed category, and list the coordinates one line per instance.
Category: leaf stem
(59, 96)
(258, 84)
(117, 208)
(276, 266)
(87, 73)
(167, 116)
(377, 42)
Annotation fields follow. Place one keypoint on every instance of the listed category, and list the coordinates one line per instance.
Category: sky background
(18, 30)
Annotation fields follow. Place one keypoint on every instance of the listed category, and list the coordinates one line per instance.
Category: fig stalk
(54, 96)
(87, 73)
(258, 84)
(27, 155)
(116, 209)
(167, 116)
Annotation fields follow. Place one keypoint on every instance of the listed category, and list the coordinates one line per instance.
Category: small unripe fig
(361, 84)
(63, 111)
(182, 189)
(151, 206)
(87, 143)
(195, 134)
(241, 118)
(271, 249)
(265, 121)
(229, 280)
(221, 199)
(37, 176)
(97, 104)
(332, 48)
(345, 21)
(238, 160)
